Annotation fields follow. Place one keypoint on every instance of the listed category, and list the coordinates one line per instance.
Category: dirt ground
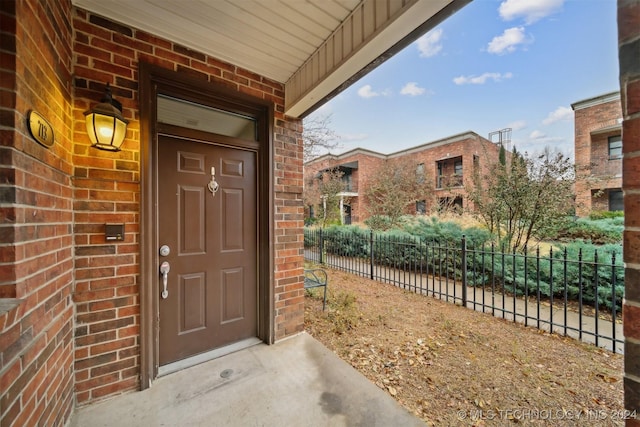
(453, 367)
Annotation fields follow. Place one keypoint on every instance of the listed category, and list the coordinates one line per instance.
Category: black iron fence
(555, 292)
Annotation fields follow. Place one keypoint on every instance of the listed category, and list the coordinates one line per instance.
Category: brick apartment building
(79, 302)
(447, 164)
(598, 154)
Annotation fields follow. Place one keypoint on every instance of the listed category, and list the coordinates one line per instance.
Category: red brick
(631, 321)
(628, 20)
(633, 98)
(631, 243)
(631, 145)
(127, 384)
(10, 374)
(96, 381)
(111, 346)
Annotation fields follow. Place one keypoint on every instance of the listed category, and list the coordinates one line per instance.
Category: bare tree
(318, 136)
(524, 197)
(394, 188)
(323, 192)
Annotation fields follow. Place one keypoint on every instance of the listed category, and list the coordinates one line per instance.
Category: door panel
(212, 282)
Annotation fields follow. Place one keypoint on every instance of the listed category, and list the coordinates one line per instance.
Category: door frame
(154, 80)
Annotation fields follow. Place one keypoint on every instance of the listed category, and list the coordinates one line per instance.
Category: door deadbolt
(165, 250)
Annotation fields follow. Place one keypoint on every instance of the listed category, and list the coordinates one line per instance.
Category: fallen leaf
(607, 379)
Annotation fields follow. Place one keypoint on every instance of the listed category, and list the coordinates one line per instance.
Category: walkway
(579, 327)
(294, 382)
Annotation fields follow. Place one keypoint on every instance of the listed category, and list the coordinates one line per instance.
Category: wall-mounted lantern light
(105, 124)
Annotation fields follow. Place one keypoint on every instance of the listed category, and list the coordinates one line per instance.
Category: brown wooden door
(212, 283)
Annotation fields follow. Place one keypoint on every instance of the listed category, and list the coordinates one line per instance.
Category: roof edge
(596, 100)
(438, 142)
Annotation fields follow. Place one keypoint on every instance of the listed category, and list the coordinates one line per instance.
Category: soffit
(315, 47)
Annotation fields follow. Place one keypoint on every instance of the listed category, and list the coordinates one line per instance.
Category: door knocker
(213, 185)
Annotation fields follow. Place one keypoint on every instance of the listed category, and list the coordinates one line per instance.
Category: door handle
(164, 270)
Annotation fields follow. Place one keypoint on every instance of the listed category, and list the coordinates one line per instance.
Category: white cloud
(536, 134)
(367, 91)
(559, 114)
(517, 125)
(412, 89)
(482, 79)
(530, 10)
(430, 44)
(537, 138)
(508, 41)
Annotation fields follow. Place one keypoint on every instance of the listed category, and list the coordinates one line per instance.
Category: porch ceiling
(315, 47)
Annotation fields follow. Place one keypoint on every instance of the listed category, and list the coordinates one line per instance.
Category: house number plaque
(40, 129)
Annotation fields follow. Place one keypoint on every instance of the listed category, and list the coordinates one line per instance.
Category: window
(348, 182)
(616, 200)
(451, 204)
(420, 173)
(615, 147)
(457, 173)
(421, 207)
(439, 177)
(457, 167)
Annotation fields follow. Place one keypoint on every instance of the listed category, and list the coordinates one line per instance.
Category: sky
(494, 64)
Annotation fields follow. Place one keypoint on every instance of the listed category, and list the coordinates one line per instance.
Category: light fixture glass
(105, 124)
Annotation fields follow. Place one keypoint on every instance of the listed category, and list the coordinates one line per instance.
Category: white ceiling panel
(270, 37)
(283, 39)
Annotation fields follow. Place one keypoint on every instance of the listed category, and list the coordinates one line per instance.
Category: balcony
(449, 173)
(449, 181)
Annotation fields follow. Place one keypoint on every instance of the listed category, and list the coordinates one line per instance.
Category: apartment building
(598, 153)
(447, 164)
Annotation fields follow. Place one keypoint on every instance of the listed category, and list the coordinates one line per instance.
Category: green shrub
(446, 232)
(378, 222)
(600, 231)
(522, 275)
(346, 240)
(595, 215)
(311, 238)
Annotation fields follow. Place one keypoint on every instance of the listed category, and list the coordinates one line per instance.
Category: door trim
(154, 80)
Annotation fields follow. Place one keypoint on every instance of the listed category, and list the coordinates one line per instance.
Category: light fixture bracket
(105, 123)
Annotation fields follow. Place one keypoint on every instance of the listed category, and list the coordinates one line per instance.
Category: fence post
(613, 301)
(321, 247)
(371, 257)
(463, 267)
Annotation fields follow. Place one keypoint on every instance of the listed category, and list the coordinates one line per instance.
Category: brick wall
(594, 168)
(36, 258)
(629, 52)
(107, 189)
(465, 147)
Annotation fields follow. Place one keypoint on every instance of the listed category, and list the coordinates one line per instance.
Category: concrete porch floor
(295, 382)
